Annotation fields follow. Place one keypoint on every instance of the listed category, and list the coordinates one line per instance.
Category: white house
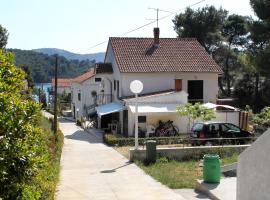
(90, 89)
(172, 70)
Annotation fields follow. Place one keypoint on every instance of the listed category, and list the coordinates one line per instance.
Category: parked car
(224, 133)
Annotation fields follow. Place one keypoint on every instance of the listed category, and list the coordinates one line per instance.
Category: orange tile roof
(88, 74)
(173, 55)
(62, 82)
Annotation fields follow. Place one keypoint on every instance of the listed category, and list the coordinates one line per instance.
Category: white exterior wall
(253, 172)
(154, 82)
(153, 118)
(60, 90)
(179, 121)
(110, 58)
(85, 88)
(230, 117)
(75, 89)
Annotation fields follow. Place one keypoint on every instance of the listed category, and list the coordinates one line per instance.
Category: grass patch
(173, 173)
(179, 174)
(229, 159)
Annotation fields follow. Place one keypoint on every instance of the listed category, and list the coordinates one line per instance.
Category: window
(79, 96)
(114, 85)
(178, 85)
(232, 127)
(141, 119)
(195, 90)
(117, 87)
(97, 79)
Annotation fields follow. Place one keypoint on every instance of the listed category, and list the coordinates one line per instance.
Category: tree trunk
(256, 92)
(221, 86)
(227, 77)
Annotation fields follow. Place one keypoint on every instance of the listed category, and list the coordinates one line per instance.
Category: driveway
(92, 170)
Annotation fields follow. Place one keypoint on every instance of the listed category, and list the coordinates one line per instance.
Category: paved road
(91, 170)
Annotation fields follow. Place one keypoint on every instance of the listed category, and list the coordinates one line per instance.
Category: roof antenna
(157, 9)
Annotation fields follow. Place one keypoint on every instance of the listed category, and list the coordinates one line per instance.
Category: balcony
(103, 99)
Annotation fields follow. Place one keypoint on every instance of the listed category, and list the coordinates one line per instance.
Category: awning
(155, 108)
(109, 108)
(212, 106)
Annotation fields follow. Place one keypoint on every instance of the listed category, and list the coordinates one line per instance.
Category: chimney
(156, 37)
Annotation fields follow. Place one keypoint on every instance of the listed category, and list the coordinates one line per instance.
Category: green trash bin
(211, 168)
(151, 151)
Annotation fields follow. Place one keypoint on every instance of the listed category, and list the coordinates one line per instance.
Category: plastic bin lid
(211, 156)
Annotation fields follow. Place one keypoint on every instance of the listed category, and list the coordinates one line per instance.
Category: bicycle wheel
(175, 131)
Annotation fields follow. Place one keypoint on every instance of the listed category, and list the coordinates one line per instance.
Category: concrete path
(91, 170)
(225, 190)
(191, 194)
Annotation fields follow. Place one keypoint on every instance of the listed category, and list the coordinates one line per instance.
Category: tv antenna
(157, 10)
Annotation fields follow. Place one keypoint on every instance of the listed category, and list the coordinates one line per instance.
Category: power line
(152, 22)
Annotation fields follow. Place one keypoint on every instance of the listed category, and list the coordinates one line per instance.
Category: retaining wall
(183, 153)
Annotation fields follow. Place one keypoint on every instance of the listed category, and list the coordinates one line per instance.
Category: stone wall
(182, 153)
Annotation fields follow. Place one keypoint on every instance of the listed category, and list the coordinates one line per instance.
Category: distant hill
(98, 57)
(42, 65)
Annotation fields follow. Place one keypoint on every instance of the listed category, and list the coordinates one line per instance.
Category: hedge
(113, 140)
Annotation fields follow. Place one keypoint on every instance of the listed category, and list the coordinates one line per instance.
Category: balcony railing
(104, 99)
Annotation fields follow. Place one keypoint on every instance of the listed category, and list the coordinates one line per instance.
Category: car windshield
(197, 127)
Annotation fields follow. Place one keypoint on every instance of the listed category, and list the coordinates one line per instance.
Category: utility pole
(39, 95)
(55, 94)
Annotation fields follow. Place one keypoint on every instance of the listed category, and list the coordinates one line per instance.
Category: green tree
(28, 76)
(261, 8)
(22, 148)
(3, 37)
(221, 35)
(234, 31)
(204, 24)
(195, 112)
(255, 59)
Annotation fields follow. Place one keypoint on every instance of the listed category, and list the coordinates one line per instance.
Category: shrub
(78, 122)
(26, 158)
(262, 120)
(113, 140)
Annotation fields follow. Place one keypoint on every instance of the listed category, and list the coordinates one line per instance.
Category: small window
(114, 85)
(79, 96)
(118, 93)
(97, 79)
(141, 119)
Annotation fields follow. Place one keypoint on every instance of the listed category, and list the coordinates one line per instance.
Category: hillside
(98, 57)
(42, 65)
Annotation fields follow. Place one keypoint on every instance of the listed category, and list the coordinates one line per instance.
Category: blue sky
(78, 25)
